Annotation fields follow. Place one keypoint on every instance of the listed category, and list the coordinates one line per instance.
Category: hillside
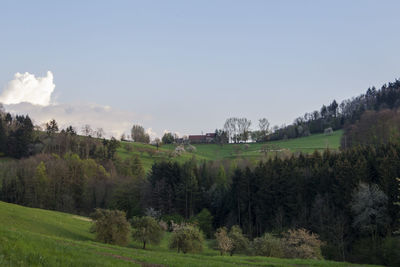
(149, 154)
(35, 237)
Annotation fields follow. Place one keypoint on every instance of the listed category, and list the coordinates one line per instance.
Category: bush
(110, 226)
(191, 149)
(224, 243)
(187, 238)
(268, 246)
(204, 221)
(240, 242)
(300, 243)
(146, 230)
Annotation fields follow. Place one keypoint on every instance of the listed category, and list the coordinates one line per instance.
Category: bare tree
(244, 128)
(99, 133)
(263, 125)
(87, 130)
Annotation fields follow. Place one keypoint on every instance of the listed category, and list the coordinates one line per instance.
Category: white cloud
(27, 94)
(114, 122)
(25, 87)
(151, 133)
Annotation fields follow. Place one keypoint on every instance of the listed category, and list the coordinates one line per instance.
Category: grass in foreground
(35, 237)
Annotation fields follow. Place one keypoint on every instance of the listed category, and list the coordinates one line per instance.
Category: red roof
(196, 137)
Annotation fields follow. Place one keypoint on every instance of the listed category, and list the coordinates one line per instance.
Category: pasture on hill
(36, 237)
(149, 154)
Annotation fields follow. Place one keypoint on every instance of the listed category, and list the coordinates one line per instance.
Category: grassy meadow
(35, 237)
(252, 151)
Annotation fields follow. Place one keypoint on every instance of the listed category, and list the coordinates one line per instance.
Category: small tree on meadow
(225, 244)
(269, 246)
(146, 230)
(240, 242)
(111, 226)
(302, 244)
(187, 238)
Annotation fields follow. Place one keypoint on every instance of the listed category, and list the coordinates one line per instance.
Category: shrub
(179, 149)
(268, 246)
(146, 230)
(204, 221)
(240, 242)
(191, 149)
(303, 244)
(110, 226)
(187, 238)
(224, 243)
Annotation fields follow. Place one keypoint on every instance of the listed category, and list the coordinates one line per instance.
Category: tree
(187, 238)
(70, 130)
(244, 129)
(51, 127)
(138, 134)
(268, 246)
(168, 138)
(240, 242)
(263, 125)
(369, 208)
(204, 220)
(87, 130)
(41, 184)
(230, 128)
(221, 137)
(111, 146)
(111, 226)
(146, 230)
(302, 244)
(225, 244)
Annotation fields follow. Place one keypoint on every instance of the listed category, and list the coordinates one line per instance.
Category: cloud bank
(27, 88)
(27, 94)
(114, 122)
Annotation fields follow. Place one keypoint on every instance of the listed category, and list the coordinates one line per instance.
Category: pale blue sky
(188, 65)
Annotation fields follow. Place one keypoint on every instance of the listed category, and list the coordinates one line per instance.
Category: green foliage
(268, 246)
(111, 226)
(146, 230)
(240, 242)
(139, 135)
(187, 238)
(204, 220)
(168, 138)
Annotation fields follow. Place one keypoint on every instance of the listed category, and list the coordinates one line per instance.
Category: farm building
(199, 139)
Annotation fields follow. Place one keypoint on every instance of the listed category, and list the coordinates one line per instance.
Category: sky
(186, 66)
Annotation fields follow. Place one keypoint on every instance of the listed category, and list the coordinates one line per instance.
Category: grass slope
(35, 237)
(250, 151)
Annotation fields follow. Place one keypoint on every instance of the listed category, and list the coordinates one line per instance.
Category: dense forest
(348, 198)
(338, 116)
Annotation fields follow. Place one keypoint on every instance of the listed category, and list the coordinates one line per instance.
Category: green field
(35, 237)
(252, 151)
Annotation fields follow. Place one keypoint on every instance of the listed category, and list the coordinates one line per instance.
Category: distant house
(202, 139)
